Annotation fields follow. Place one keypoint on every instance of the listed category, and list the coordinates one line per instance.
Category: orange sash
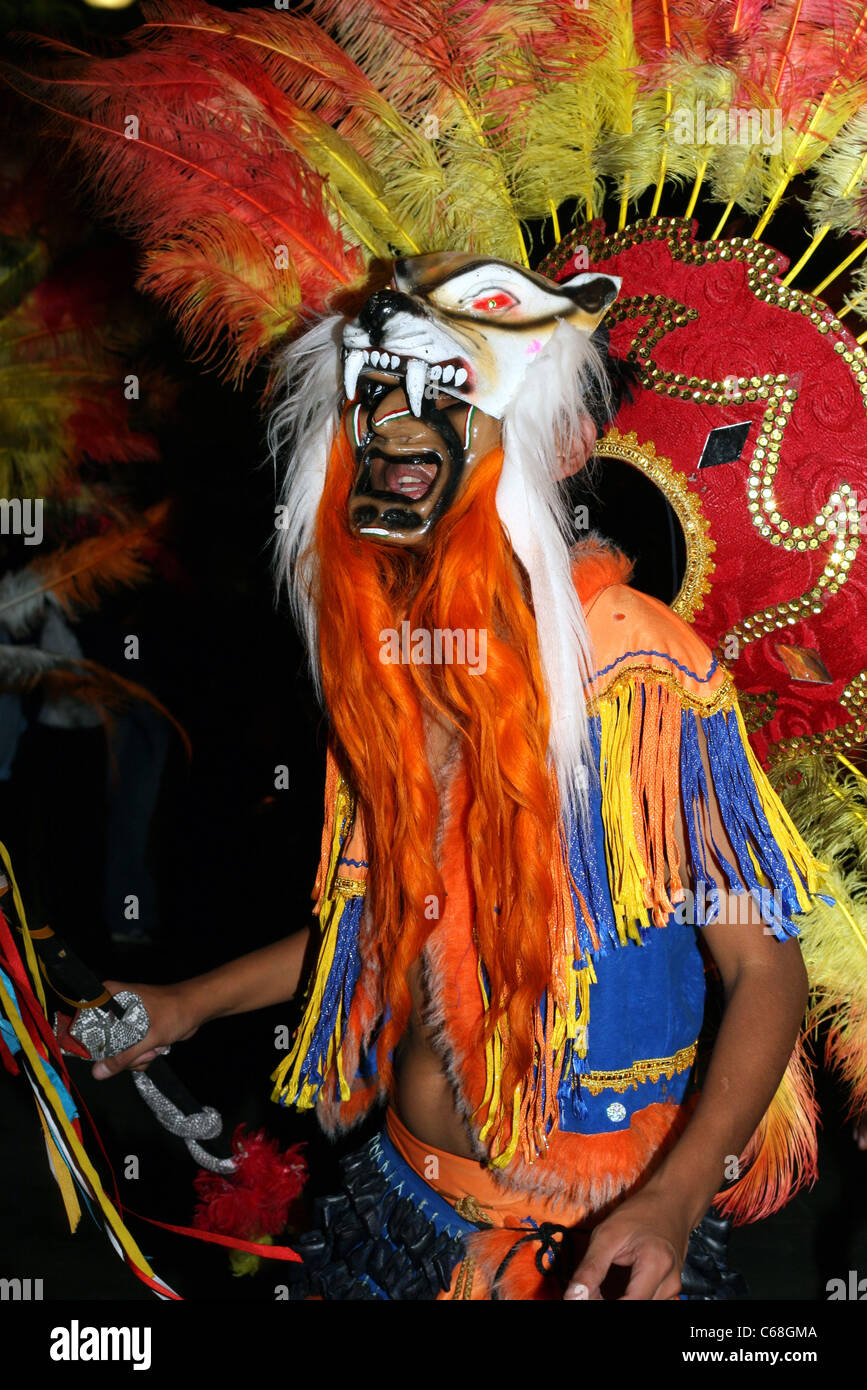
(470, 1187)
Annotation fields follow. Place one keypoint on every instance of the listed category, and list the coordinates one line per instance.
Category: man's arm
(765, 995)
(268, 976)
(766, 991)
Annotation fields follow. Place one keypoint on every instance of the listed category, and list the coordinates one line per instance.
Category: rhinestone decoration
(104, 1034)
(203, 1124)
(854, 701)
(616, 1112)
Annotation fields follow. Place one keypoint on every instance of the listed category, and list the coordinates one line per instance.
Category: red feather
(800, 49)
(490, 54)
(302, 61)
(700, 30)
(205, 156)
(261, 1195)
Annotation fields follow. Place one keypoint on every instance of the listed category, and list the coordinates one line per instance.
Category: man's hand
(268, 976)
(649, 1233)
(171, 1020)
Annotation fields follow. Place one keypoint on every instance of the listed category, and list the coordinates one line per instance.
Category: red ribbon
(269, 1252)
(14, 965)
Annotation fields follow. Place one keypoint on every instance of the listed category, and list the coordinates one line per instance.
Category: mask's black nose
(382, 306)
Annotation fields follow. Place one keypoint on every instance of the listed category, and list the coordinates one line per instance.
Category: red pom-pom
(258, 1198)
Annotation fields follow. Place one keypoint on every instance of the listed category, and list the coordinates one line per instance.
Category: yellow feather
(840, 180)
(358, 189)
(621, 104)
(559, 159)
(36, 403)
(459, 190)
(801, 149)
(698, 90)
(829, 806)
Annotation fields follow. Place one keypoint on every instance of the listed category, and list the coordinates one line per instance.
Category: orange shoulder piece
(635, 635)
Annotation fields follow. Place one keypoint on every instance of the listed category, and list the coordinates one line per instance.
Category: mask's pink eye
(492, 302)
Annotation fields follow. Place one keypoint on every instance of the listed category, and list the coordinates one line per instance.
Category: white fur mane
(541, 428)
(300, 433)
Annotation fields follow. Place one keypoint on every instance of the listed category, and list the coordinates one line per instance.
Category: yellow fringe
(29, 949)
(633, 847)
(289, 1089)
(798, 857)
(640, 779)
(567, 1018)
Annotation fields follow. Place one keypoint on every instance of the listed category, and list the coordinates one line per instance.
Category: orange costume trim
(476, 1196)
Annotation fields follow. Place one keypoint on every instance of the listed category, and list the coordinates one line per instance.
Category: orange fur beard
(467, 579)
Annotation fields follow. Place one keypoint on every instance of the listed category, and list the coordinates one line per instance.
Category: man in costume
(522, 857)
(539, 788)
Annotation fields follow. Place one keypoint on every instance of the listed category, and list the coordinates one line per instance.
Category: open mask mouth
(409, 462)
(400, 490)
(408, 475)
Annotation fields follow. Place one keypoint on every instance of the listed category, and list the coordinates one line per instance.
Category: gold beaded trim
(650, 1069)
(724, 698)
(350, 887)
(837, 524)
(844, 736)
(464, 1281)
(686, 504)
(758, 708)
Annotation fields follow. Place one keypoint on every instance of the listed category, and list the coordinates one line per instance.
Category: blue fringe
(571, 1103)
(586, 847)
(340, 986)
(744, 820)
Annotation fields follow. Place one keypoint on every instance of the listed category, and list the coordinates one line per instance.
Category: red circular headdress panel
(751, 414)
